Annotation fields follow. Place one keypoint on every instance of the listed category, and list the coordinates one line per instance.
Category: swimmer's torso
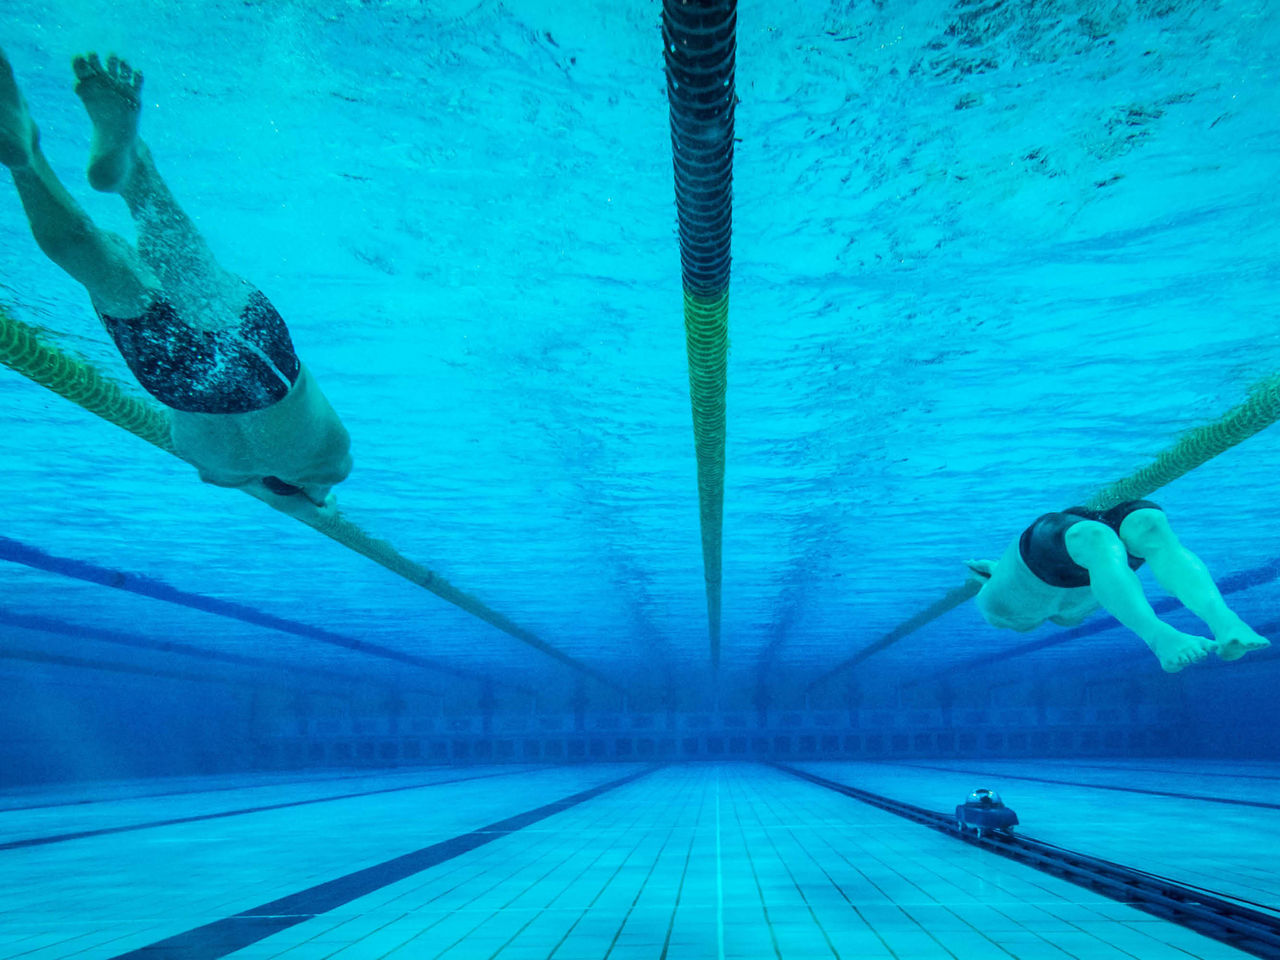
(1016, 599)
(300, 440)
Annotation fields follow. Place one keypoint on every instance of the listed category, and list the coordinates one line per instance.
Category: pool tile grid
(1227, 849)
(158, 882)
(698, 861)
(779, 887)
(34, 824)
(496, 901)
(935, 889)
(88, 793)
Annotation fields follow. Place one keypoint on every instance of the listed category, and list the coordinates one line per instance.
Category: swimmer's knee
(72, 239)
(1146, 531)
(1091, 543)
(119, 283)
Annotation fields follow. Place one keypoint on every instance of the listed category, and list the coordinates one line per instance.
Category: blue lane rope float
(80, 632)
(84, 663)
(1196, 447)
(24, 351)
(700, 40)
(16, 552)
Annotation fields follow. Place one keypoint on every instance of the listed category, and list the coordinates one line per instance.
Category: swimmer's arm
(993, 603)
(299, 505)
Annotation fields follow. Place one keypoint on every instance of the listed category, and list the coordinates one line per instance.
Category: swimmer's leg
(120, 162)
(117, 279)
(1146, 534)
(1096, 547)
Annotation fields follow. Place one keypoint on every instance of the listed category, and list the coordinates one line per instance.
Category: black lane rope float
(1211, 914)
(25, 351)
(699, 46)
(1193, 449)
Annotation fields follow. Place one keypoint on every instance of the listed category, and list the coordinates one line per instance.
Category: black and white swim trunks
(1043, 545)
(246, 366)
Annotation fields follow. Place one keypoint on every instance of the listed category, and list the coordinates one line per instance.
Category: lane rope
(25, 351)
(1196, 447)
(699, 50)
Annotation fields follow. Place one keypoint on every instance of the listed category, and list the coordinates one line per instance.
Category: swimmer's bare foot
(18, 134)
(112, 96)
(1175, 649)
(1237, 639)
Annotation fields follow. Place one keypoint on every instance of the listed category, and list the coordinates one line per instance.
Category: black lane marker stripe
(82, 834)
(1116, 768)
(1103, 786)
(123, 798)
(1216, 915)
(236, 932)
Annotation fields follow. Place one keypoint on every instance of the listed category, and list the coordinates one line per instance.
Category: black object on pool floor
(1205, 798)
(1212, 915)
(236, 932)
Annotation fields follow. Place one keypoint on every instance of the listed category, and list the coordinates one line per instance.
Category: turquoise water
(987, 259)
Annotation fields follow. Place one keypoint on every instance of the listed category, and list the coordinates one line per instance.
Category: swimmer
(1066, 564)
(199, 339)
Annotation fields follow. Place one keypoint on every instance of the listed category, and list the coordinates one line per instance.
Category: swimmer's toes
(90, 72)
(1237, 647)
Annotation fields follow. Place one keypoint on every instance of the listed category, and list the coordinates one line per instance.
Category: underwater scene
(513, 479)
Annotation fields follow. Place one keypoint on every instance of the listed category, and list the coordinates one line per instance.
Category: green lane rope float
(930, 613)
(24, 351)
(1193, 449)
(1199, 445)
(700, 39)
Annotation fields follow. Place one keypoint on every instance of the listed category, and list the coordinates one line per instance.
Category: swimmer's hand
(299, 505)
(980, 571)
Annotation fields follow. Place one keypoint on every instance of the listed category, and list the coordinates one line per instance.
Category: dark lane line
(1100, 786)
(1177, 773)
(1225, 918)
(225, 936)
(196, 818)
(187, 793)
